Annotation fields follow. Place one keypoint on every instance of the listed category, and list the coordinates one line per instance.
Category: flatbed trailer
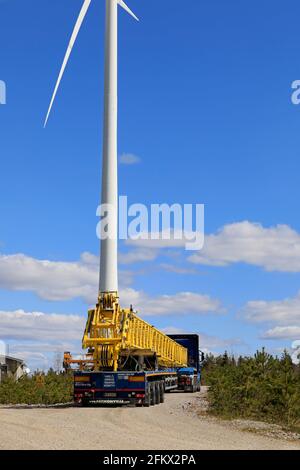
(135, 388)
(138, 388)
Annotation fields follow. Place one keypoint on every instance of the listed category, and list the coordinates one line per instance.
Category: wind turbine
(109, 246)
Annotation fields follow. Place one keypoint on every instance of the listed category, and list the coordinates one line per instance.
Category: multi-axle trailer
(140, 388)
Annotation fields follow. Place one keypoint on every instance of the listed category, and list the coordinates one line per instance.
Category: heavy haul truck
(131, 362)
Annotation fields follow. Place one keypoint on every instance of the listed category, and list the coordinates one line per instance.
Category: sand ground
(167, 426)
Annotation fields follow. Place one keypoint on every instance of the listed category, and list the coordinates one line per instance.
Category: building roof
(11, 358)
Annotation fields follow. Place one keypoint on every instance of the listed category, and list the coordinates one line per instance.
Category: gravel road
(164, 427)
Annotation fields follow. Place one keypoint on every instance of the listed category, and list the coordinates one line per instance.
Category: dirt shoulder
(181, 423)
(198, 407)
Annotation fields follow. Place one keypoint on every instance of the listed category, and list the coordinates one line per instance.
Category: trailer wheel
(162, 392)
(157, 393)
(152, 394)
(147, 400)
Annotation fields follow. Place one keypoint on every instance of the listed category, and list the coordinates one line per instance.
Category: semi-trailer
(140, 387)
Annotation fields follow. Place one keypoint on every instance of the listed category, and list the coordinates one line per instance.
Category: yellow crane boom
(113, 335)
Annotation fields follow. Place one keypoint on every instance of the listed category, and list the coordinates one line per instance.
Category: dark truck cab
(189, 378)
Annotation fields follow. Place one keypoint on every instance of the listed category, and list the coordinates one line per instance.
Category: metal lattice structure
(112, 333)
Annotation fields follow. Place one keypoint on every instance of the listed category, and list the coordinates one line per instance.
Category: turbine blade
(77, 27)
(126, 8)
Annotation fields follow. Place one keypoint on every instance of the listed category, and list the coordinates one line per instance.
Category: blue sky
(205, 103)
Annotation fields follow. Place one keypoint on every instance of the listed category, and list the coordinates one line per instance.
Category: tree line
(262, 387)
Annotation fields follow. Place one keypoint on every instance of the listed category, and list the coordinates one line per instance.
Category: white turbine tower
(109, 246)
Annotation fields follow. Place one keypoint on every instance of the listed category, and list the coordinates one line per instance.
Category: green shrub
(46, 389)
(260, 387)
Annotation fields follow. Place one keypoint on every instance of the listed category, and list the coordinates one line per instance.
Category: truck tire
(152, 394)
(147, 400)
(157, 393)
(162, 392)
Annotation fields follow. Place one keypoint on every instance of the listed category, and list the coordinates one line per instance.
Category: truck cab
(189, 378)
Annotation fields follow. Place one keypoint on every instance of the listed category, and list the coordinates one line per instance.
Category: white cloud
(54, 280)
(138, 255)
(174, 330)
(213, 343)
(61, 328)
(28, 326)
(275, 248)
(281, 312)
(177, 269)
(50, 280)
(129, 159)
(207, 343)
(57, 281)
(33, 360)
(283, 333)
(37, 336)
(182, 303)
(168, 238)
(282, 315)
